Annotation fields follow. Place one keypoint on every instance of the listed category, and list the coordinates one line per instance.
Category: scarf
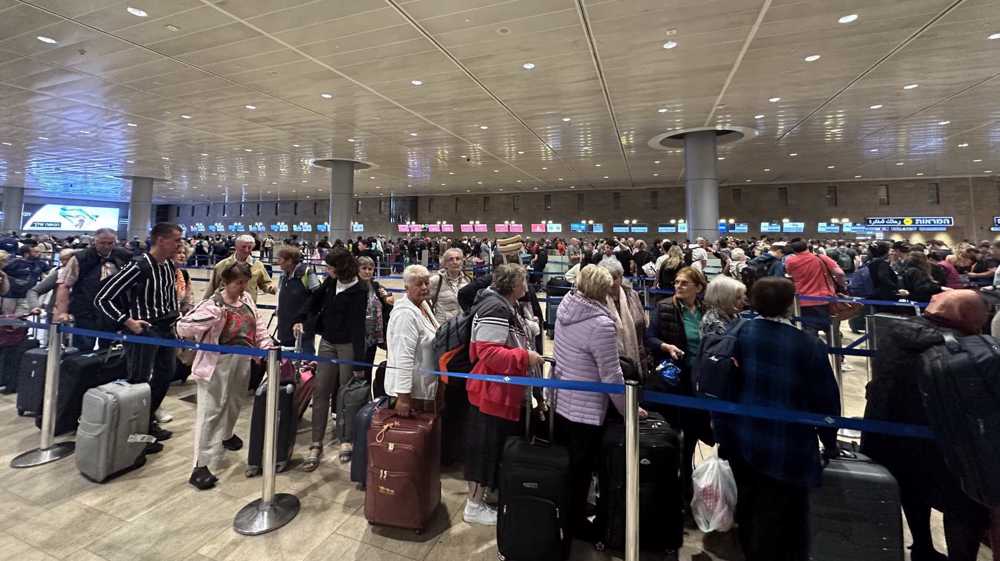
(628, 342)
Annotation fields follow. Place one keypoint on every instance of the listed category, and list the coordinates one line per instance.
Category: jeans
(773, 516)
(152, 364)
(329, 378)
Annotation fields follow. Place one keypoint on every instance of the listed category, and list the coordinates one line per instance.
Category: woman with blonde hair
(671, 263)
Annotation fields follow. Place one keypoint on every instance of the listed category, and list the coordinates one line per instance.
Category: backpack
(451, 344)
(860, 283)
(753, 272)
(22, 276)
(717, 373)
(9, 244)
(842, 258)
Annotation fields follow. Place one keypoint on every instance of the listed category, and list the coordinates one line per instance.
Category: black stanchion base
(259, 518)
(42, 456)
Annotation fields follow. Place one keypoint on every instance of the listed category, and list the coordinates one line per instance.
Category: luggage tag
(141, 438)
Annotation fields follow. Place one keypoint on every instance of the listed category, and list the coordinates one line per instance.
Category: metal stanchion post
(271, 511)
(631, 470)
(837, 342)
(870, 331)
(797, 311)
(47, 451)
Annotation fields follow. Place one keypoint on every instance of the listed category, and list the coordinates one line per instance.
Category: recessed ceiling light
(43, 138)
(250, 107)
(164, 158)
(413, 134)
(597, 165)
(479, 183)
(793, 154)
(417, 82)
(993, 36)
(656, 161)
(874, 150)
(670, 45)
(185, 116)
(942, 123)
(171, 28)
(759, 116)
(444, 184)
(877, 106)
(963, 145)
(566, 119)
(774, 99)
(451, 173)
(899, 163)
(17, 173)
(911, 86)
(496, 171)
(560, 179)
(543, 169)
(662, 110)
(920, 173)
(7, 144)
(84, 132)
(812, 58)
(295, 145)
(528, 66)
(987, 171)
(767, 169)
(130, 161)
(748, 180)
(850, 18)
(656, 175)
(720, 158)
(605, 177)
(48, 40)
(857, 177)
(831, 166)
(132, 124)
(326, 95)
(520, 151)
(484, 127)
(976, 161)
(350, 140)
(136, 12)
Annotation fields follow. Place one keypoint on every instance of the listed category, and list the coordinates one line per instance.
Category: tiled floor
(152, 514)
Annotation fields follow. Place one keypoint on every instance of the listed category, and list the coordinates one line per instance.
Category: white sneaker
(163, 417)
(846, 368)
(479, 514)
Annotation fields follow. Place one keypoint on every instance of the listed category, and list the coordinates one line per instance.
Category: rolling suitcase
(532, 518)
(10, 361)
(404, 469)
(362, 422)
(287, 427)
(78, 373)
(661, 500)
(856, 514)
(351, 397)
(960, 386)
(113, 430)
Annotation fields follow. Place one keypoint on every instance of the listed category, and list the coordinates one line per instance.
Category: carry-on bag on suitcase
(296, 390)
(404, 469)
(960, 386)
(113, 431)
(855, 513)
(532, 518)
(362, 422)
(78, 373)
(661, 499)
(351, 397)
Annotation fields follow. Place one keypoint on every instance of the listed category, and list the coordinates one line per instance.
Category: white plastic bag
(714, 502)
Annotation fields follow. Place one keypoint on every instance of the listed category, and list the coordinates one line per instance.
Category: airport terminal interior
(852, 120)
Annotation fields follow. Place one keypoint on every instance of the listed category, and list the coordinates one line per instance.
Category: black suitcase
(960, 386)
(287, 428)
(10, 361)
(557, 287)
(661, 500)
(855, 513)
(363, 422)
(78, 373)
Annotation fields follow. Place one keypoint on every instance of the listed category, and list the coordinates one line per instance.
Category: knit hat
(963, 310)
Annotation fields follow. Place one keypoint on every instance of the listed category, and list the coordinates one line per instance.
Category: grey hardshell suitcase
(114, 430)
(855, 514)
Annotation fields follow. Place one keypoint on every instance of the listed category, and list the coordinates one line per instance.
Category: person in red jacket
(813, 275)
(501, 343)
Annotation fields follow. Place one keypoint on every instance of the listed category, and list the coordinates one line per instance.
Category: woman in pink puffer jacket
(228, 317)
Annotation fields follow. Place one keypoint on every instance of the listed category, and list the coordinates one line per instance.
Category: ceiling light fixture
(47, 40)
(920, 173)
(662, 110)
(417, 82)
(943, 123)
(899, 163)
(874, 150)
(759, 116)
(185, 116)
(43, 138)
(911, 86)
(878, 106)
(656, 161)
(963, 145)
(774, 99)
(976, 161)
(413, 134)
(656, 175)
(295, 145)
(670, 45)
(993, 36)
(831, 166)
(171, 28)
(483, 127)
(850, 18)
(857, 177)
(793, 154)
(566, 119)
(132, 124)
(350, 140)
(812, 58)
(7, 144)
(248, 150)
(720, 158)
(528, 66)
(130, 161)
(250, 107)
(326, 95)
(136, 12)
(767, 169)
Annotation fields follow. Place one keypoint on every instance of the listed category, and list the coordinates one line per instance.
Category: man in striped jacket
(142, 298)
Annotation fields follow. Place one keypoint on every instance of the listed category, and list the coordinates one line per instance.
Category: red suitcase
(404, 473)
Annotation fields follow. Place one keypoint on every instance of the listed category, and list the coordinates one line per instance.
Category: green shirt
(692, 332)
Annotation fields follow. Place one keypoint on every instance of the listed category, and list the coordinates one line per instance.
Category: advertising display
(770, 227)
(198, 227)
(71, 218)
(237, 227)
(481, 228)
(740, 228)
(552, 227)
(639, 229)
(666, 228)
(516, 228)
(619, 228)
(538, 228)
(580, 227)
(467, 228)
(597, 228)
(355, 227)
(501, 228)
(447, 227)
(825, 228)
(793, 227)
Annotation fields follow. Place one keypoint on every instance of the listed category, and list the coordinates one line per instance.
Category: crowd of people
(602, 334)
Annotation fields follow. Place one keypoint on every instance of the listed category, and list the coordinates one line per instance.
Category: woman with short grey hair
(628, 314)
(410, 338)
(725, 298)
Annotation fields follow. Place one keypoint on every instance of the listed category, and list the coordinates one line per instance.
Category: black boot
(232, 443)
(202, 479)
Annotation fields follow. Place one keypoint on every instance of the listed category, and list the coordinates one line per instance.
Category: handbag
(840, 311)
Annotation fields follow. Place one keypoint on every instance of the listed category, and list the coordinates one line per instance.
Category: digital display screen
(356, 227)
(794, 227)
(403, 227)
(516, 228)
(467, 228)
(480, 228)
(553, 228)
(639, 229)
(501, 228)
(72, 218)
(597, 228)
(666, 228)
(447, 227)
(577, 227)
(770, 227)
(826, 228)
(740, 228)
(619, 228)
(538, 228)
(434, 228)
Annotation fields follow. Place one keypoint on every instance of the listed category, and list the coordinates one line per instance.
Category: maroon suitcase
(404, 473)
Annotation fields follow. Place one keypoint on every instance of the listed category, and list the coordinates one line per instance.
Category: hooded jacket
(586, 350)
(499, 345)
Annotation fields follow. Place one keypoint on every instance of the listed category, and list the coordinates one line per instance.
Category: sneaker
(162, 417)
(202, 479)
(232, 443)
(159, 433)
(153, 448)
(846, 368)
(479, 513)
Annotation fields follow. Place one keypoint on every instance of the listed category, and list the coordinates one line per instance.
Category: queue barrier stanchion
(797, 311)
(272, 510)
(48, 451)
(872, 344)
(631, 470)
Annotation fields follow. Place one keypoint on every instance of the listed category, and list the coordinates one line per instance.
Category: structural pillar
(701, 185)
(13, 206)
(140, 209)
(341, 194)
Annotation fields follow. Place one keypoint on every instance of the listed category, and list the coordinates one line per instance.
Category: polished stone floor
(51, 512)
